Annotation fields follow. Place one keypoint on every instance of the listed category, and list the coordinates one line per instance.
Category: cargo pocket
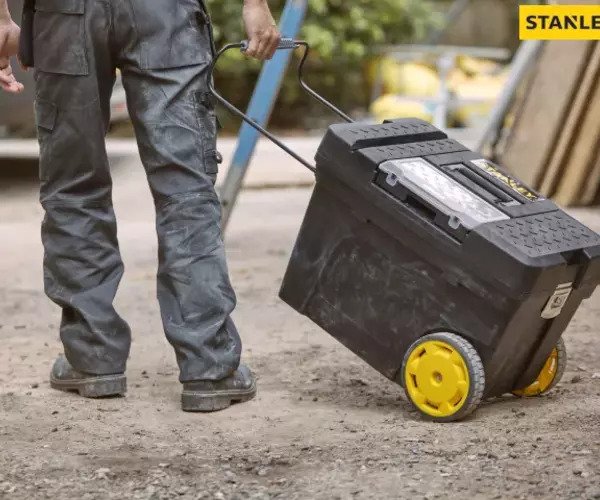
(59, 42)
(45, 117)
(207, 120)
(172, 34)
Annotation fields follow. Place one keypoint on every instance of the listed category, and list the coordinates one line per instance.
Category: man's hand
(263, 35)
(9, 45)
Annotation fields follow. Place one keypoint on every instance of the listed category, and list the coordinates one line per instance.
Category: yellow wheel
(443, 376)
(550, 374)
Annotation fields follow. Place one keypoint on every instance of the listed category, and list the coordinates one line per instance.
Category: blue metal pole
(260, 107)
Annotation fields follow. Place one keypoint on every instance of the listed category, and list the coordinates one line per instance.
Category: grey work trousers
(163, 49)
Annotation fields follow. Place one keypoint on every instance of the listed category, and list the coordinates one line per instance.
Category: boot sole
(196, 401)
(96, 387)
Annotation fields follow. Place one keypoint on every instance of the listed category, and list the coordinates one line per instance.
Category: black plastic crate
(408, 234)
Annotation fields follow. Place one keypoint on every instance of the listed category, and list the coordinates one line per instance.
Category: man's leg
(82, 264)
(176, 131)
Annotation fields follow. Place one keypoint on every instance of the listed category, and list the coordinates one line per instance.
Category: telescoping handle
(284, 44)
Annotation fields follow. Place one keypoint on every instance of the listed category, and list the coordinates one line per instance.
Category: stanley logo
(511, 182)
(559, 22)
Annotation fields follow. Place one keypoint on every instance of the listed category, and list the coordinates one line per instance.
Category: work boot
(65, 378)
(213, 395)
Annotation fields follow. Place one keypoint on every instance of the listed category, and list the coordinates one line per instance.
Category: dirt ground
(324, 425)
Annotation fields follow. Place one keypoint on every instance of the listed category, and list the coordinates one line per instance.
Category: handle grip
(284, 44)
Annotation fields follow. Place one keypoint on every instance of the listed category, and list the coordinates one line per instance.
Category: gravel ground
(324, 425)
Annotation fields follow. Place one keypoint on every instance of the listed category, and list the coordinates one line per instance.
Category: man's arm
(9, 45)
(263, 35)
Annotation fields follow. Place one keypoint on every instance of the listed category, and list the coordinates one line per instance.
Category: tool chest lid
(359, 136)
(541, 235)
(474, 200)
(379, 154)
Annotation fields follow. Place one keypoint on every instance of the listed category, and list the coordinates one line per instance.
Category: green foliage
(343, 35)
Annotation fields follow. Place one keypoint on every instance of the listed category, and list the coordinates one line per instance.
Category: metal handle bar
(284, 44)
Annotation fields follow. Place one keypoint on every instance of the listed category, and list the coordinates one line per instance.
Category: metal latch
(557, 301)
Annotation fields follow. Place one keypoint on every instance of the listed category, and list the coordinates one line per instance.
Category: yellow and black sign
(559, 22)
(511, 182)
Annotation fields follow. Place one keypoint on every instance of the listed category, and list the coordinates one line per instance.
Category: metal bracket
(557, 301)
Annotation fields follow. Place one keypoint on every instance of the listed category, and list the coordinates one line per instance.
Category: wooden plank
(571, 125)
(580, 161)
(591, 189)
(541, 115)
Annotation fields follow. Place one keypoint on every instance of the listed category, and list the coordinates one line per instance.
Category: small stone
(576, 379)
(164, 465)
(580, 452)
(261, 471)
(596, 376)
(103, 473)
(577, 471)
(471, 457)
(34, 386)
(595, 493)
(7, 487)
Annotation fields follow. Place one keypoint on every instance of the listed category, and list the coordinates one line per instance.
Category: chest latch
(557, 301)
